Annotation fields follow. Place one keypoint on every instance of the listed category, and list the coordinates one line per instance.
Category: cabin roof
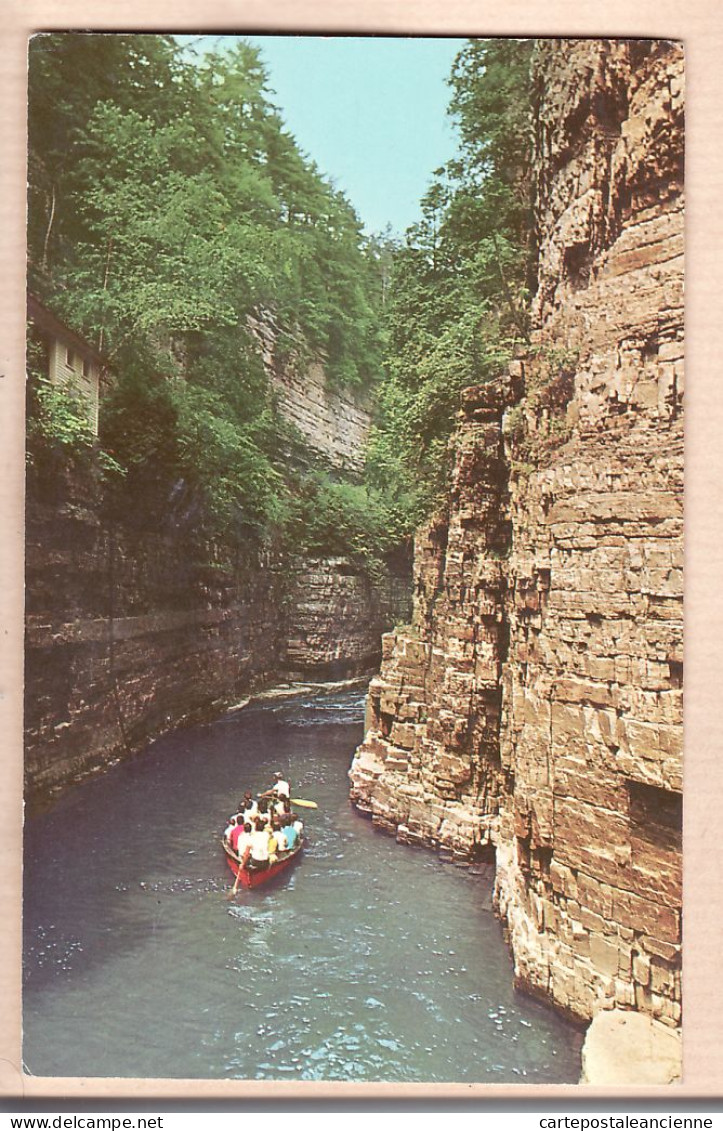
(46, 320)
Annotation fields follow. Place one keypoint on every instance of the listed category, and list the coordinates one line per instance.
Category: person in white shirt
(280, 785)
(263, 813)
(248, 806)
(243, 845)
(259, 846)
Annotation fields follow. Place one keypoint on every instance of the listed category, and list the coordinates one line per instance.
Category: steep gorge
(533, 709)
(132, 631)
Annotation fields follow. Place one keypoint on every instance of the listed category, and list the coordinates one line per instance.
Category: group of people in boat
(264, 831)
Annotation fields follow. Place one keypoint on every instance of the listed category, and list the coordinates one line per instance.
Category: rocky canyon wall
(132, 631)
(128, 633)
(332, 424)
(337, 617)
(533, 710)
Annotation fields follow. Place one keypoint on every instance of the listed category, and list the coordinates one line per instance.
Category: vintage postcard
(354, 452)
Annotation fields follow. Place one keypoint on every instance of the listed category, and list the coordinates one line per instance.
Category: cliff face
(534, 707)
(128, 636)
(332, 424)
(337, 616)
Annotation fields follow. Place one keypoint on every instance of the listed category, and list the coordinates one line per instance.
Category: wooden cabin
(73, 363)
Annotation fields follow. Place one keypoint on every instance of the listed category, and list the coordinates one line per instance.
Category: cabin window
(86, 367)
(70, 358)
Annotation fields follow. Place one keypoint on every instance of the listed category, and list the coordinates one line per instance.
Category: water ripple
(368, 961)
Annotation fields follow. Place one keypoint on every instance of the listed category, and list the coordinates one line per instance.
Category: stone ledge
(625, 1047)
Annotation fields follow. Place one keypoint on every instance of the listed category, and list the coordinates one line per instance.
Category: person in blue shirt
(291, 835)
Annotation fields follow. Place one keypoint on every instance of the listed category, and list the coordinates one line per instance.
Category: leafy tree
(169, 205)
(460, 283)
(69, 75)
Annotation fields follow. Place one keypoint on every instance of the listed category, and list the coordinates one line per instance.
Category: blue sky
(371, 111)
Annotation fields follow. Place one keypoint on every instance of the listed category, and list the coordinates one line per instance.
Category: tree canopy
(168, 203)
(461, 278)
(169, 206)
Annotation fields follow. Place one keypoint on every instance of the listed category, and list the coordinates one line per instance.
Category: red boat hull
(253, 878)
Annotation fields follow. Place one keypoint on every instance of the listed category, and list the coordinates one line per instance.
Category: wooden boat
(254, 877)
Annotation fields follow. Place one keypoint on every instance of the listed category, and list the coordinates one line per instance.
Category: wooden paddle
(304, 804)
(234, 889)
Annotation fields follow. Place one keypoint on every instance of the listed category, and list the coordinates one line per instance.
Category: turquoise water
(367, 961)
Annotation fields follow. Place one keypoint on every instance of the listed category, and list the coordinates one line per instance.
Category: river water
(366, 961)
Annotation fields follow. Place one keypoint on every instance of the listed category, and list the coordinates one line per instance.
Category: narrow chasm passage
(367, 961)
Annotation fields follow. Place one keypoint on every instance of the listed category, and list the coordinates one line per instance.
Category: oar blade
(304, 804)
(234, 889)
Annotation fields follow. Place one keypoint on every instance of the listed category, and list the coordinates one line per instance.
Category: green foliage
(354, 520)
(59, 432)
(460, 284)
(59, 420)
(539, 425)
(167, 205)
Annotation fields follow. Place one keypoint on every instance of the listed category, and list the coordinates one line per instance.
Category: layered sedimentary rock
(429, 768)
(337, 616)
(332, 424)
(131, 632)
(535, 705)
(127, 635)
